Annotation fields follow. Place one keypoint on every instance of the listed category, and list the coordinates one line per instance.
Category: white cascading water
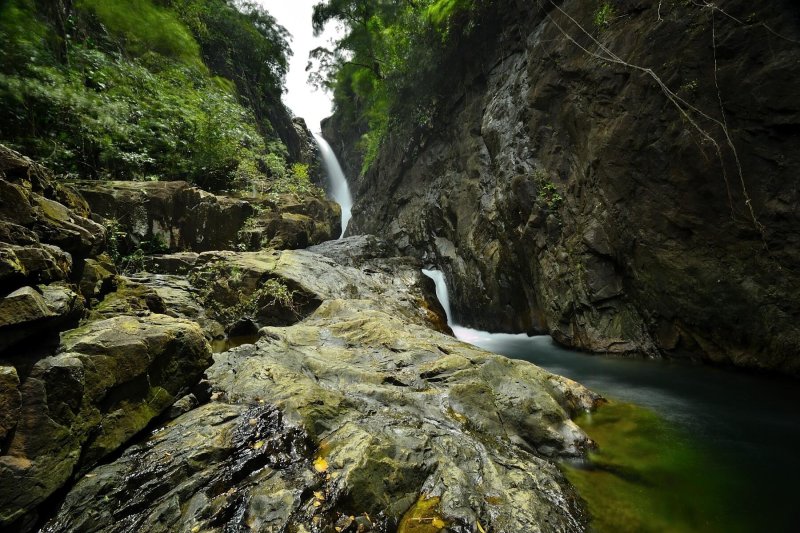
(483, 339)
(441, 291)
(339, 189)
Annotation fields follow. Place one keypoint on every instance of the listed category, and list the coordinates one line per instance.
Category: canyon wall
(627, 183)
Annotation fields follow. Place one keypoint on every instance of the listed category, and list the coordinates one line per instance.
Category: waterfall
(441, 292)
(339, 190)
(483, 339)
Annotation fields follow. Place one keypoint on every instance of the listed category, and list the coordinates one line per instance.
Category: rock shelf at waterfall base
(359, 412)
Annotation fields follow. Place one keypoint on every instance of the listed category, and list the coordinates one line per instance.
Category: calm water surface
(741, 432)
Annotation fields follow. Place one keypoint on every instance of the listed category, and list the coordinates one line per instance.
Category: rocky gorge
(603, 173)
(195, 337)
(353, 411)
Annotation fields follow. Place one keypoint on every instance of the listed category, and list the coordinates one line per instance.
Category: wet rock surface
(350, 418)
(89, 358)
(44, 245)
(564, 193)
(353, 412)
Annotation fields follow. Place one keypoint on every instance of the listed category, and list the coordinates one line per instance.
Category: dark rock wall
(564, 191)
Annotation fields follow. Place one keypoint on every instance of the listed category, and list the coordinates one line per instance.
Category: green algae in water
(646, 475)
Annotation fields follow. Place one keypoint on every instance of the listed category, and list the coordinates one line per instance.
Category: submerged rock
(354, 417)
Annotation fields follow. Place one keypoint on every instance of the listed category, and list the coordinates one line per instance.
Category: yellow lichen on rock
(423, 517)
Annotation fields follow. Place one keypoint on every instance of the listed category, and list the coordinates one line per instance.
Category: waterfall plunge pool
(682, 446)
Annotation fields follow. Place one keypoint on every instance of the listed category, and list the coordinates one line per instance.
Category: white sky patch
(304, 101)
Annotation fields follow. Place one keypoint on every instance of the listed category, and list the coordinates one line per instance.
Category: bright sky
(302, 99)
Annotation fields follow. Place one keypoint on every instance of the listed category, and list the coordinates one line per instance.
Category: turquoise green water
(647, 475)
(684, 447)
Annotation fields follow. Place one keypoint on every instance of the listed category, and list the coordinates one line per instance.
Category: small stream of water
(728, 460)
(338, 187)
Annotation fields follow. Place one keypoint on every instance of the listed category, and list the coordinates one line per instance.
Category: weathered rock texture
(175, 216)
(357, 416)
(70, 396)
(46, 241)
(564, 191)
(108, 380)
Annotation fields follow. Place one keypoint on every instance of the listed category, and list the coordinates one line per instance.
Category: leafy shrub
(603, 15)
(142, 27)
(120, 91)
(295, 181)
(389, 71)
(548, 194)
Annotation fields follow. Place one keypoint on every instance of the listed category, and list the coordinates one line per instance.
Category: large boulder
(109, 379)
(358, 418)
(46, 239)
(31, 211)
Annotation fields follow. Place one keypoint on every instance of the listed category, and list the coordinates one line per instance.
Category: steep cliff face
(626, 181)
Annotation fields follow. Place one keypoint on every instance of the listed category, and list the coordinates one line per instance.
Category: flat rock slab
(23, 305)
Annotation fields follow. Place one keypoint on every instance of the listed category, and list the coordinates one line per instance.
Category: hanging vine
(690, 112)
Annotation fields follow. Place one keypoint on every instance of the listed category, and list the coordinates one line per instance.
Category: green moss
(648, 476)
(129, 418)
(604, 14)
(145, 27)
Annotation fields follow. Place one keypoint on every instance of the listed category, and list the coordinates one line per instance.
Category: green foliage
(220, 290)
(295, 181)
(141, 27)
(120, 90)
(548, 194)
(114, 236)
(300, 171)
(133, 261)
(241, 42)
(444, 13)
(603, 15)
(389, 69)
(22, 35)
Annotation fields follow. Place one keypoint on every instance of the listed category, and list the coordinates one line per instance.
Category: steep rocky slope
(627, 183)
